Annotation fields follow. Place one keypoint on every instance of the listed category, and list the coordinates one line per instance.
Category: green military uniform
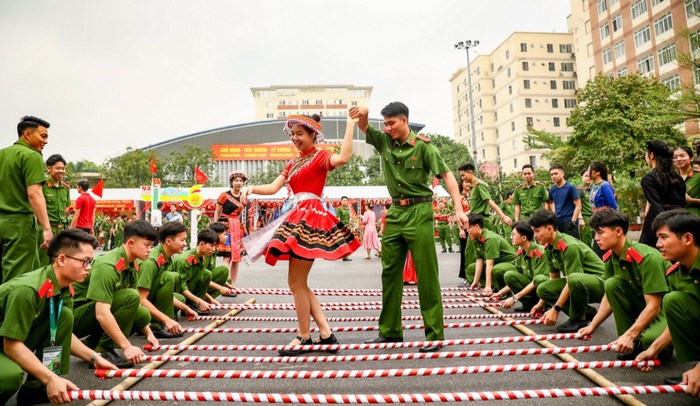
(106, 228)
(203, 222)
(454, 231)
(581, 270)
(409, 226)
(530, 267)
(443, 228)
(157, 277)
(24, 316)
(503, 228)
(479, 202)
(639, 272)
(219, 274)
(530, 198)
(492, 246)
(692, 189)
(194, 276)
(57, 196)
(682, 309)
(20, 167)
(112, 280)
(586, 213)
(343, 215)
(119, 233)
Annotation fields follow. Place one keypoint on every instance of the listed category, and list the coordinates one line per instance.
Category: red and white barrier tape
(345, 329)
(411, 291)
(329, 347)
(389, 398)
(383, 357)
(333, 306)
(373, 318)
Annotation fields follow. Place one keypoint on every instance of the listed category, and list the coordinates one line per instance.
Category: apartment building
(278, 102)
(528, 82)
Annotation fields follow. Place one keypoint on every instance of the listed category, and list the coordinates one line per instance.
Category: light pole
(466, 45)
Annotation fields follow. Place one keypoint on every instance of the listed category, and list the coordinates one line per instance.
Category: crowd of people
(556, 249)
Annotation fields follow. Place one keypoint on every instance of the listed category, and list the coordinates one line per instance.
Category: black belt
(413, 200)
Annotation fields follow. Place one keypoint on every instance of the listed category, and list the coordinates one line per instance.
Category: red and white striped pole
(287, 292)
(329, 347)
(383, 357)
(333, 306)
(373, 318)
(345, 329)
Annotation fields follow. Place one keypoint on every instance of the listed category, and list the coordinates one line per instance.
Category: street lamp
(466, 45)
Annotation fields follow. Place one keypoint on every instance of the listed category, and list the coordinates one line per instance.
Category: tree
(453, 153)
(555, 150)
(74, 169)
(129, 170)
(178, 169)
(373, 171)
(350, 174)
(270, 173)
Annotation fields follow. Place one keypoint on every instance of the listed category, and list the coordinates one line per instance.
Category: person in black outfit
(663, 187)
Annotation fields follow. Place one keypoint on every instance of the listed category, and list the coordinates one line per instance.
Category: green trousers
(517, 281)
(587, 235)
(43, 257)
(218, 275)
(410, 227)
(11, 374)
(627, 307)
(445, 236)
(199, 285)
(18, 245)
(583, 290)
(683, 316)
(498, 273)
(161, 295)
(454, 231)
(127, 311)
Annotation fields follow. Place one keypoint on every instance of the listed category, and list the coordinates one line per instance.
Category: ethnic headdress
(237, 174)
(308, 122)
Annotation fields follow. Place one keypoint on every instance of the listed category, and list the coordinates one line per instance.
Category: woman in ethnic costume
(370, 238)
(232, 212)
(309, 231)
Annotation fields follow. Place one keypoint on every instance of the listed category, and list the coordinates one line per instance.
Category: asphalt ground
(365, 273)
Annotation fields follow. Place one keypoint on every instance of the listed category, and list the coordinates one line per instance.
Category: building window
(551, 66)
(569, 103)
(673, 83)
(667, 54)
(512, 125)
(696, 76)
(620, 49)
(528, 103)
(642, 36)
(567, 66)
(511, 107)
(639, 7)
(645, 65)
(566, 48)
(555, 103)
(515, 163)
(528, 121)
(602, 6)
(663, 23)
(526, 84)
(508, 72)
(270, 115)
(553, 84)
(607, 56)
(507, 54)
(557, 122)
(622, 72)
(656, 2)
(515, 144)
(510, 89)
(526, 66)
(617, 22)
(692, 8)
(569, 84)
(533, 160)
(523, 47)
(550, 48)
(604, 31)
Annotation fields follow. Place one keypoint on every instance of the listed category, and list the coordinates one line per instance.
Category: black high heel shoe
(328, 340)
(294, 353)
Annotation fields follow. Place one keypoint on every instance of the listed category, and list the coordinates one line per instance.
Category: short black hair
(509, 194)
(556, 166)
(523, 228)
(542, 218)
(55, 158)
(159, 205)
(387, 205)
(468, 166)
(395, 109)
(528, 166)
(208, 236)
(610, 218)
(599, 167)
(69, 241)
(680, 222)
(218, 227)
(476, 220)
(344, 197)
(171, 229)
(140, 228)
(30, 122)
(83, 184)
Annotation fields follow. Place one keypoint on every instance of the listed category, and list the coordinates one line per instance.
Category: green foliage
(271, 173)
(178, 168)
(350, 174)
(556, 150)
(74, 169)
(129, 170)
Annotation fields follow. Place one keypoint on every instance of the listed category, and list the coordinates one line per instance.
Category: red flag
(153, 165)
(200, 176)
(97, 189)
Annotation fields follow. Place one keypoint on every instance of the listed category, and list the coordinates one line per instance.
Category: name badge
(52, 358)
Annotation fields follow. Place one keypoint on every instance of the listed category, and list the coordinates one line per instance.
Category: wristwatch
(557, 308)
(515, 299)
(93, 358)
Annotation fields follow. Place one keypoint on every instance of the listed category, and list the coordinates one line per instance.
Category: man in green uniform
(576, 275)
(678, 235)
(203, 222)
(586, 211)
(195, 278)
(493, 253)
(36, 322)
(107, 304)
(507, 208)
(409, 160)
(634, 286)
(219, 274)
(343, 214)
(531, 269)
(480, 198)
(106, 228)
(157, 281)
(22, 201)
(118, 230)
(57, 196)
(443, 226)
(530, 196)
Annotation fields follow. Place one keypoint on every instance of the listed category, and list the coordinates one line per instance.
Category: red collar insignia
(520, 252)
(136, 266)
(546, 245)
(535, 252)
(561, 245)
(633, 254)
(192, 260)
(46, 290)
(607, 255)
(72, 291)
(672, 268)
(483, 239)
(413, 141)
(120, 265)
(49, 184)
(161, 260)
(414, 158)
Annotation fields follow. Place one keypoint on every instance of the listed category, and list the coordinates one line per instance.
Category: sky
(109, 75)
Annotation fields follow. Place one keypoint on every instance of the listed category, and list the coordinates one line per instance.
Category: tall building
(527, 82)
(642, 36)
(278, 102)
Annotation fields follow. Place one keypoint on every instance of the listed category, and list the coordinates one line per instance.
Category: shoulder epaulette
(538, 183)
(607, 255)
(672, 268)
(65, 184)
(520, 186)
(423, 138)
(120, 265)
(633, 254)
(46, 290)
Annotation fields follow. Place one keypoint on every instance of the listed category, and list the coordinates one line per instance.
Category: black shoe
(672, 380)
(32, 396)
(294, 353)
(590, 313)
(572, 326)
(160, 332)
(631, 356)
(347, 259)
(328, 340)
(116, 359)
(443, 251)
(430, 348)
(380, 339)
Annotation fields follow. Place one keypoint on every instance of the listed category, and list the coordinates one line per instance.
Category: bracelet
(557, 308)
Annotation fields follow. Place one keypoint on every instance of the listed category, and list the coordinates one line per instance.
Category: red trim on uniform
(71, 290)
(561, 245)
(46, 290)
(520, 251)
(483, 239)
(607, 255)
(422, 138)
(161, 260)
(136, 266)
(192, 259)
(120, 265)
(536, 252)
(672, 268)
(635, 255)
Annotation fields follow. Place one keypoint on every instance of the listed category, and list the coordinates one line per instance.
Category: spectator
(567, 202)
(84, 218)
(173, 215)
(370, 239)
(682, 157)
